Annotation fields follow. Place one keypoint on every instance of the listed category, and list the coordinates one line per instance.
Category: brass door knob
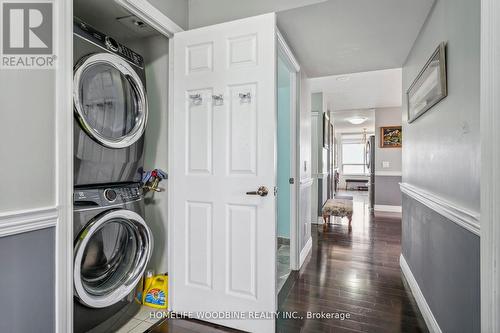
(262, 191)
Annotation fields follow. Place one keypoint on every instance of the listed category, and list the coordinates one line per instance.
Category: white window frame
(365, 173)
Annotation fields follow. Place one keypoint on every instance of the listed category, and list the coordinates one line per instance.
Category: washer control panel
(106, 196)
(108, 43)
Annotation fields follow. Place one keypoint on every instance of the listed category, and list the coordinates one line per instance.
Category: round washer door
(109, 100)
(110, 256)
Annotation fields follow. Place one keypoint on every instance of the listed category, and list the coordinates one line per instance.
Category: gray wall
(27, 166)
(387, 180)
(387, 190)
(155, 52)
(27, 139)
(444, 258)
(441, 155)
(387, 117)
(441, 148)
(27, 282)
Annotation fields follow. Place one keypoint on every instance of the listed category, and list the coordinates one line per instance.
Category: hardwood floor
(355, 274)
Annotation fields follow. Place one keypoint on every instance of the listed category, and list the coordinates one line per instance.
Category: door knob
(262, 191)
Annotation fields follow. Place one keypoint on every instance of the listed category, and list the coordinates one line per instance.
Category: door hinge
(291, 181)
(275, 191)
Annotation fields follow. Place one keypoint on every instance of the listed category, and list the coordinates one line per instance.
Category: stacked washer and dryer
(112, 243)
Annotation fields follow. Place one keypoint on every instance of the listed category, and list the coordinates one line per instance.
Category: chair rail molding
(462, 216)
(490, 164)
(430, 320)
(16, 222)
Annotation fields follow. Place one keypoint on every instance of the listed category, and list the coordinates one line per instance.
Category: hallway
(355, 273)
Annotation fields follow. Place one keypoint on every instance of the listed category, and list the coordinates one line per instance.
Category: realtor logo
(27, 35)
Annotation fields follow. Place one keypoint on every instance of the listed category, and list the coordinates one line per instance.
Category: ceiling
(207, 12)
(335, 36)
(339, 36)
(367, 90)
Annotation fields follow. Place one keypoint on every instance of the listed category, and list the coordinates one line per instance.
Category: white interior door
(223, 145)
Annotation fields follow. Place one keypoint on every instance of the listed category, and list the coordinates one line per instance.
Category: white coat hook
(196, 99)
(218, 99)
(245, 98)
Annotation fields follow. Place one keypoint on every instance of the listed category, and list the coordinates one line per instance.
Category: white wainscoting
(16, 222)
(305, 217)
(424, 308)
(463, 217)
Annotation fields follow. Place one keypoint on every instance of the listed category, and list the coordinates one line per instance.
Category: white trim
(320, 175)
(305, 251)
(287, 51)
(64, 167)
(151, 16)
(283, 49)
(424, 308)
(171, 174)
(453, 211)
(389, 209)
(389, 173)
(490, 164)
(17, 222)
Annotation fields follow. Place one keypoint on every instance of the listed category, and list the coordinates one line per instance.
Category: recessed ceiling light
(343, 78)
(357, 120)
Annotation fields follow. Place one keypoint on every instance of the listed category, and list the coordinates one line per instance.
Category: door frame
(294, 67)
(63, 22)
(490, 163)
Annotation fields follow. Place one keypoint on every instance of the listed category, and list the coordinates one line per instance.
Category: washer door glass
(111, 255)
(109, 100)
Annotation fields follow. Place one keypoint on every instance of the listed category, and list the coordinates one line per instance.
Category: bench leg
(350, 221)
(326, 218)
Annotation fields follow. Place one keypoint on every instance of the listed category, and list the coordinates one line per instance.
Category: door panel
(223, 244)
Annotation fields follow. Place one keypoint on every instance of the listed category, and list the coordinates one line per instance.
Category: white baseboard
(305, 251)
(387, 208)
(425, 310)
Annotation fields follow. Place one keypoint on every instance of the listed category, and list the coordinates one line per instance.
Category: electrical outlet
(386, 164)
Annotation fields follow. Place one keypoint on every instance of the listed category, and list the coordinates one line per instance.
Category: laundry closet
(120, 84)
(200, 105)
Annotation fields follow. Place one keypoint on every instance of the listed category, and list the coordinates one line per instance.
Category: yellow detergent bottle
(155, 295)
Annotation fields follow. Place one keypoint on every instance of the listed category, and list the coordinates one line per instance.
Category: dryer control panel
(107, 196)
(83, 30)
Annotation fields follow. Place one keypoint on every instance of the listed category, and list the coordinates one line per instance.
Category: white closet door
(224, 145)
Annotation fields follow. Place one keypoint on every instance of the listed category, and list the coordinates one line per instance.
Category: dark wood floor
(353, 273)
(356, 273)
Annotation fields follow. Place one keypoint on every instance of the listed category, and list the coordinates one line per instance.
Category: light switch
(386, 164)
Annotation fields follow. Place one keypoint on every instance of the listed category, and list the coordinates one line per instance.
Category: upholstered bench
(337, 207)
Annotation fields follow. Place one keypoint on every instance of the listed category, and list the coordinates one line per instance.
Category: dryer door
(110, 256)
(109, 100)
